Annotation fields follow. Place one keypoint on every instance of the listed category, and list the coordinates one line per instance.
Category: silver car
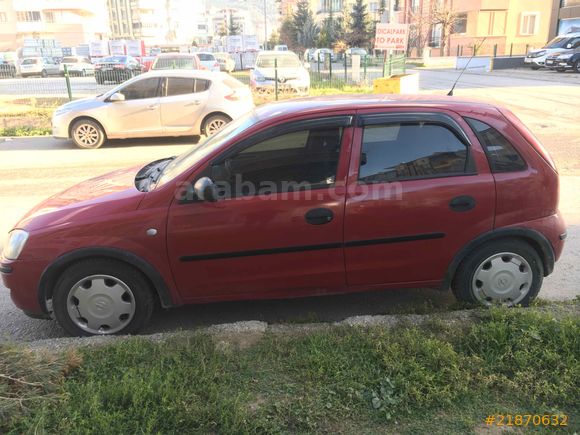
(157, 103)
(292, 75)
(39, 66)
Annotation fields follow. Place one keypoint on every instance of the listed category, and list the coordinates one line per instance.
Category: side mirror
(568, 45)
(116, 97)
(205, 189)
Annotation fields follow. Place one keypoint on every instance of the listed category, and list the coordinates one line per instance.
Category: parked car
(292, 75)
(157, 103)
(564, 61)
(176, 61)
(564, 43)
(39, 66)
(116, 69)
(77, 65)
(226, 62)
(209, 61)
(320, 54)
(281, 47)
(7, 69)
(309, 55)
(146, 62)
(340, 194)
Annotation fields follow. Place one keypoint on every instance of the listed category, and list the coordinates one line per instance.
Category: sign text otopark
(391, 36)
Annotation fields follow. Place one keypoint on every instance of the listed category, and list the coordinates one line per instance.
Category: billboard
(391, 36)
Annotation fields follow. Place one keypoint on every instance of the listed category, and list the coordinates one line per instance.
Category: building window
(460, 25)
(3, 17)
(529, 23)
(414, 6)
(27, 16)
(493, 21)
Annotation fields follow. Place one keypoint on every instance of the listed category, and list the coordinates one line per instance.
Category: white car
(77, 65)
(563, 43)
(281, 47)
(157, 103)
(209, 61)
(291, 73)
(39, 66)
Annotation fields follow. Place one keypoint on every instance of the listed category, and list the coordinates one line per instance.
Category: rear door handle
(193, 103)
(152, 107)
(462, 203)
(319, 216)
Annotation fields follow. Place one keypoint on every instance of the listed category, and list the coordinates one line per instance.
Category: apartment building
(68, 21)
(566, 18)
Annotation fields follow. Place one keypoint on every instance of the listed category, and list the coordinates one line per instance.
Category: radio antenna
(450, 93)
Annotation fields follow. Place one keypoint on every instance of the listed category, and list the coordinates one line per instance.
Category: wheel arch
(52, 273)
(209, 115)
(537, 240)
(90, 118)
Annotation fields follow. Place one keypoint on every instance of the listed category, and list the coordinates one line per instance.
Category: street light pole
(265, 28)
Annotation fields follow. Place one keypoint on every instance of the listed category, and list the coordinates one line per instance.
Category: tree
(331, 31)
(304, 28)
(287, 33)
(233, 27)
(419, 31)
(358, 34)
(446, 19)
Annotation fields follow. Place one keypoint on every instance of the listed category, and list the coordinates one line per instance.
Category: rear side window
(202, 85)
(501, 154)
(410, 150)
(179, 86)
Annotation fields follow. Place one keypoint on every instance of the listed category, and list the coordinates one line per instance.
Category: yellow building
(503, 26)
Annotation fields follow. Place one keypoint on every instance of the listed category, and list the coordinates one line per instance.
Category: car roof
(324, 104)
(276, 53)
(176, 55)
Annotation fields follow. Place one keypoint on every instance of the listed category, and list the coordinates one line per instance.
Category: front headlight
(538, 53)
(15, 244)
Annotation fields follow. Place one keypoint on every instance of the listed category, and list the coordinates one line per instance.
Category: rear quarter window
(501, 154)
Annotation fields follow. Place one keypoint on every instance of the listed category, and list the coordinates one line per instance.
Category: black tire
(207, 128)
(463, 281)
(88, 124)
(577, 66)
(536, 67)
(43, 74)
(142, 293)
(560, 70)
(83, 73)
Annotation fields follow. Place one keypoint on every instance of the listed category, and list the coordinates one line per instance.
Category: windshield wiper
(149, 174)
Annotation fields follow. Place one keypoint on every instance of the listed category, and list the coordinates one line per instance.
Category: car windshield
(200, 151)
(174, 63)
(284, 61)
(557, 42)
(69, 60)
(114, 59)
(29, 61)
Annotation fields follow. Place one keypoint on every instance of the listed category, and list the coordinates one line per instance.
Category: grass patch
(439, 378)
(25, 131)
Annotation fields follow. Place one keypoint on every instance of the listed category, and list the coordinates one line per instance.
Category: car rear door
(183, 101)
(419, 190)
(277, 229)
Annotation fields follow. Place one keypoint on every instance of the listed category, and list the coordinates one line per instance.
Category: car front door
(276, 230)
(419, 190)
(183, 100)
(139, 114)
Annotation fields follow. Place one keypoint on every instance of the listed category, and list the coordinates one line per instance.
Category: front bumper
(21, 278)
(269, 86)
(60, 124)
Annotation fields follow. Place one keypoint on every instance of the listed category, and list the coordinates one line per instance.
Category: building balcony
(80, 7)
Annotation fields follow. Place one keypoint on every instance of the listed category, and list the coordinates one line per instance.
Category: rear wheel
(577, 66)
(102, 297)
(535, 67)
(506, 272)
(44, 74)
(87, 134)
(215, 123)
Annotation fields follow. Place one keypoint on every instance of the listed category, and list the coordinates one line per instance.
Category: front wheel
(577, 66)
(88, 134)
(535, 67)
(505, 272)
(214, 123)
(102, 297)
(44, 74)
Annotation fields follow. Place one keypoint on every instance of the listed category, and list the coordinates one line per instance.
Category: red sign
(391, 36)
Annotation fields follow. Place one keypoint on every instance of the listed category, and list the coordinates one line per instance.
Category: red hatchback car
(300, 198)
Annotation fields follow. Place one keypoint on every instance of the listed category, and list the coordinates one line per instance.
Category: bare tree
(447, 19)
(420, 26)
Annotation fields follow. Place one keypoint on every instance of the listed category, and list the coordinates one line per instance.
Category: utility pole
(265, 27)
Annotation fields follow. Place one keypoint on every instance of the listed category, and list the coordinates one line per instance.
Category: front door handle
(193, 103)
(319, 216)
(462, 203)
(152, 107)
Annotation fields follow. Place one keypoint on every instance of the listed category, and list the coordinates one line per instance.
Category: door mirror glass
(568, 45)
(117, 96)
(205, 189)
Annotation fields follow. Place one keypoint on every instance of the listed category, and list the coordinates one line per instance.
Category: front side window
(146, 88)
(410, 150)
(300, 160)
(501, 154)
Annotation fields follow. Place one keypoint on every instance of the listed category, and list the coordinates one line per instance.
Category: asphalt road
(33, 168)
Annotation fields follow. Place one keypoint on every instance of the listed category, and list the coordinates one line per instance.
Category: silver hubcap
(101, 304)
(505, 278)
(87, 135)
(215, 126)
